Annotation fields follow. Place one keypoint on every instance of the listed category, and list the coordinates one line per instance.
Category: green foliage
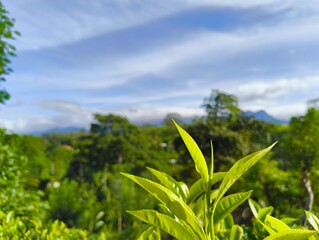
(13, 227)
(7, 50)
(70, 201)
(278, 229)
(302, 141)
(63, 186)
(13, 195)
(180, 220)
(220, 105)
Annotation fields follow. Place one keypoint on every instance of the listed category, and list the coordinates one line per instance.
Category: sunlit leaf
(292, 234)
(264, 212)
(169, 182)
(165, 223)
(147, 234)
(195, 152)
(238, 169)
(289, 221)
(277, 224)
(228, 204)
(254, 207)
(313, 220)
(171, 200)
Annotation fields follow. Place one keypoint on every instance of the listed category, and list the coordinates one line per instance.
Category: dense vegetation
(70, 184)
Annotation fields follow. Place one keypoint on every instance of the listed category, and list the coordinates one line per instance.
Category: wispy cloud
(273, 89)
(53, 23)
(46, 115)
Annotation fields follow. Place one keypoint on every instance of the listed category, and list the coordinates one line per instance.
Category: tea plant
(281, 228)
(201, 212)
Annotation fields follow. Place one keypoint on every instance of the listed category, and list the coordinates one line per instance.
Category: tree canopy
(7, 49)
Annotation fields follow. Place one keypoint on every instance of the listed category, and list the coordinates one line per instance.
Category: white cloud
(282, 98)
(62, 106)
(149, 114)
(272, 88)
(70, 114)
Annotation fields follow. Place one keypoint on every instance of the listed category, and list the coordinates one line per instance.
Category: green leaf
(289, 221)
(171, 200)
(198, 207)
(228, 221)
(198, 187)
(211, 173)
(168, 182)
(166, 223)
(147, 234)
(218, 176)
(254, 207)
(195, 152)
(9, 216)
(228, 204)
(264, 212)
(184, 189)
(236, 233)
(292, 234)
(260, 214)
(238, 169)
(268, 229)
(313, 220)
(277, 224)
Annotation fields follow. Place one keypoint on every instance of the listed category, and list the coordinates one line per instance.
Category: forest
(69, 186)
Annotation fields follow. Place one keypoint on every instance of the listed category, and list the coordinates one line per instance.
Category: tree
(301, 150)
(220, 105)
(167, 121)
(7, 50)
(112, 124)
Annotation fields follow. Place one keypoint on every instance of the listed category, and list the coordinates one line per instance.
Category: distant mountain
(264, 116)
(58, 130)
(259, 115)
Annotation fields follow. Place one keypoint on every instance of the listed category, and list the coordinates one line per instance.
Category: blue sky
(146, 58)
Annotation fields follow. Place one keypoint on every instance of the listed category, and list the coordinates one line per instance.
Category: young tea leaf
(254, 207)
(147, 233)
(195, 152)
(277, 224)
(313, 220)
(172, 202)
(264, 212)
(236, 233)
(238, 169)
(166, 223)
(228, 204)
(292, 234)
(169, 182)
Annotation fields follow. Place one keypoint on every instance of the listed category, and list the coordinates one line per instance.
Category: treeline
(64, 185)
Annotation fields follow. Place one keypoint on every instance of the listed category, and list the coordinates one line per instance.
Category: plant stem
(209, 221)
